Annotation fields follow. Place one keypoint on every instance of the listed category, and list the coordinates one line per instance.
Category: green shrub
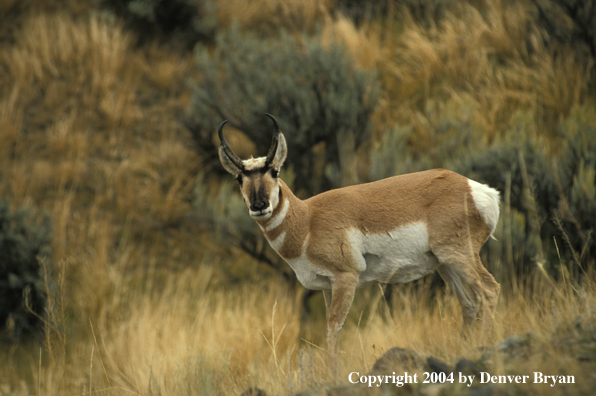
(321, 99)
(562, 183)
(24, 240)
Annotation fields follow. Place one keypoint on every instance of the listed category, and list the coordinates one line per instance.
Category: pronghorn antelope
(393, 230)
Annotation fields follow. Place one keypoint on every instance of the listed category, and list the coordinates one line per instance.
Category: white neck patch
(279, 218)
(278, 242)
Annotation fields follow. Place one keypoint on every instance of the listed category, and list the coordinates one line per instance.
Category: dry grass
(496, 60)
(90, 132)
(182, 335)
(268, 15)
(363, 44)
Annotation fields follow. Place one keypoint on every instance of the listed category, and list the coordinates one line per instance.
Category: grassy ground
(91, 132)
(184, 336)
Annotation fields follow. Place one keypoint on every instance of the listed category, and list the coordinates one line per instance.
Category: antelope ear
(281, 153)
(227, 163)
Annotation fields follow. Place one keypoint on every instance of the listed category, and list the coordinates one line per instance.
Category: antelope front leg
(342, 295)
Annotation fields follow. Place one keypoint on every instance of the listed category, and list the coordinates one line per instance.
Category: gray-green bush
(552, 192)
(321, 99)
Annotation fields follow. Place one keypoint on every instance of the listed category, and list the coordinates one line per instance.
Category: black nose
(257, 206)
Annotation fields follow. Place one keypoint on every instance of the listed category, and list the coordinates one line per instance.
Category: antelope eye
(239, 179)
(274, 173)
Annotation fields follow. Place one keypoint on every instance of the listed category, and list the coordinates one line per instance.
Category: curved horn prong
(274, 141)
(226, 148)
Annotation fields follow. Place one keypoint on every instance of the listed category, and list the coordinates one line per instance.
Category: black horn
(274, 141)
(224, 144)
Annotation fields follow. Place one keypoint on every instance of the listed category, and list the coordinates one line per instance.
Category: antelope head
(257, 177)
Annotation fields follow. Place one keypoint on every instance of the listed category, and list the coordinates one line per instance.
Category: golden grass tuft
(270, 14)
(55, 42)
(497, 58)
(363, 43)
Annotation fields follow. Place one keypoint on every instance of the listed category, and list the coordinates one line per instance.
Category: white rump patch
(487, 202)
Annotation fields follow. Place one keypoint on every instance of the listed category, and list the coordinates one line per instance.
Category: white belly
(398, 256)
